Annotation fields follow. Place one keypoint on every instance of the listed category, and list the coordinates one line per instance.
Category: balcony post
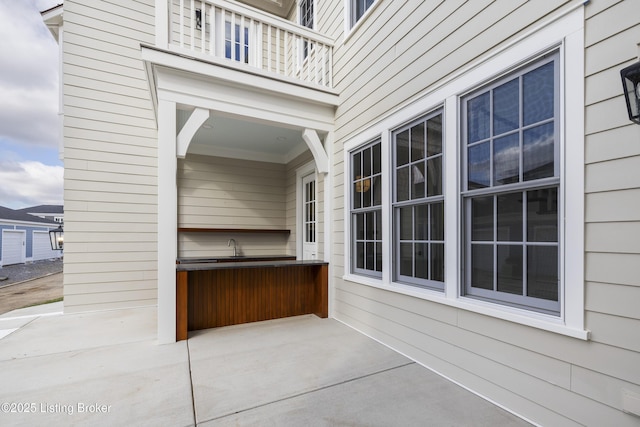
(162, 24)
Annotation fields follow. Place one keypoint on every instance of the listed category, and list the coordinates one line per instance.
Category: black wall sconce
(56, 236)
(631, 86)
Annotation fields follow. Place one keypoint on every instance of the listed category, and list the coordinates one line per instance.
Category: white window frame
(350, 24)
(365, 209)
(495, 189)
(414, 202)
(563, 32)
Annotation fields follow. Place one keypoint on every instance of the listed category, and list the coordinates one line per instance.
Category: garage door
(42, 246)
(13, 246)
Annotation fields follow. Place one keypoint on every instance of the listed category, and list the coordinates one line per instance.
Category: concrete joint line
(309, 391)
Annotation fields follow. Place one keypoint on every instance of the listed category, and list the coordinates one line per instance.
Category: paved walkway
(105, 368)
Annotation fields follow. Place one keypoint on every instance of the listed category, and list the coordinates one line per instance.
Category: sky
(30, 169)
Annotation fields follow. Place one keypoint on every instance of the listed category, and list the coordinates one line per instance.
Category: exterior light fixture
(631, 86)
(56, 236)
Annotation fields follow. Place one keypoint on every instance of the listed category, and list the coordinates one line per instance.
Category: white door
(309, 215)
(13, 247)
(42, 246)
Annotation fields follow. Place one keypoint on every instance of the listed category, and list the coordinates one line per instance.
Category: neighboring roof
(13, 215)
(44, 209)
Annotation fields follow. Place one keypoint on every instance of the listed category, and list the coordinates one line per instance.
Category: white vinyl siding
(215, 192)
(110, 157)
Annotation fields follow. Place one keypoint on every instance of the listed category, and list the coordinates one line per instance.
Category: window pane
(365, 188)
(422, 260)
(402, 148)
(377, 159)
(357, 166)
(422, 222)
(406, 259)
(434, 135)
(406, 223)
(359, 226)
(370, 256)
(478, 114)
(538, 94)
(506, 111)
(506, 159)
(482, 218)
(510, 217)
(482, 266)
(376, 190)
(357, 195)
(378, 256)
(542, 215)
(437, 221)
(434, 176)
(366, 162)
(378, 232)
(437, 262)
(417, 142)
(538, 156)
(510, 269)
(417, 179)
(360, 255)
(402, 184)
(369, 226)
(542, 272)
(479, 166)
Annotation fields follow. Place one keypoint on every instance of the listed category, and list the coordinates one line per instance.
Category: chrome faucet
(235, 252)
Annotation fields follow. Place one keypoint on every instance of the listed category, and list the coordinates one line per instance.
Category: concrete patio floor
(105, 368)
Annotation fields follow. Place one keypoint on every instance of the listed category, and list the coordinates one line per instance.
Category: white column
(167, 221)
(328, 215)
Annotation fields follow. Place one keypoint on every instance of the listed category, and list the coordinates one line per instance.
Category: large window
(366, 209)
(419, 202)
(510, 186)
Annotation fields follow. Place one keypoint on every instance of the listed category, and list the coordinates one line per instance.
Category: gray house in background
(24, 234)
(53, 213)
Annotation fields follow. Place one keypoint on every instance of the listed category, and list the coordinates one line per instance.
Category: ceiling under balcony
(281, 8)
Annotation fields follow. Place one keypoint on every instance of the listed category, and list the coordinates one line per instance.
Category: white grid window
(510, 188)
(366, 209)
(419, 202)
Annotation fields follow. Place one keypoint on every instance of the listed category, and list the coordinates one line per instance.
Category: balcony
(247, 39)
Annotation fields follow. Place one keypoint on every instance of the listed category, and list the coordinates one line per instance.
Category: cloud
(30, 183)
(28, 76)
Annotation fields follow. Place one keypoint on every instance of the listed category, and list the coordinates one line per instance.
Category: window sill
(523, 317)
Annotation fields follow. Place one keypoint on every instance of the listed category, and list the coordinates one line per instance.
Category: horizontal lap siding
(612, 290)
(399, 52)
(110, 157)
(215, 192)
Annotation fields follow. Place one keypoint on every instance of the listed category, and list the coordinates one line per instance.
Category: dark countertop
(199, 266)
(241, 258)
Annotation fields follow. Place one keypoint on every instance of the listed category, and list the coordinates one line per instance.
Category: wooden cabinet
(209, 298)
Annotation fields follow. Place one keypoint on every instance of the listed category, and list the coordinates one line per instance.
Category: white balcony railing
(248, 37)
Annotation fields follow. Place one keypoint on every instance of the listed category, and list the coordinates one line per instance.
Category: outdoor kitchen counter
(214, 294)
